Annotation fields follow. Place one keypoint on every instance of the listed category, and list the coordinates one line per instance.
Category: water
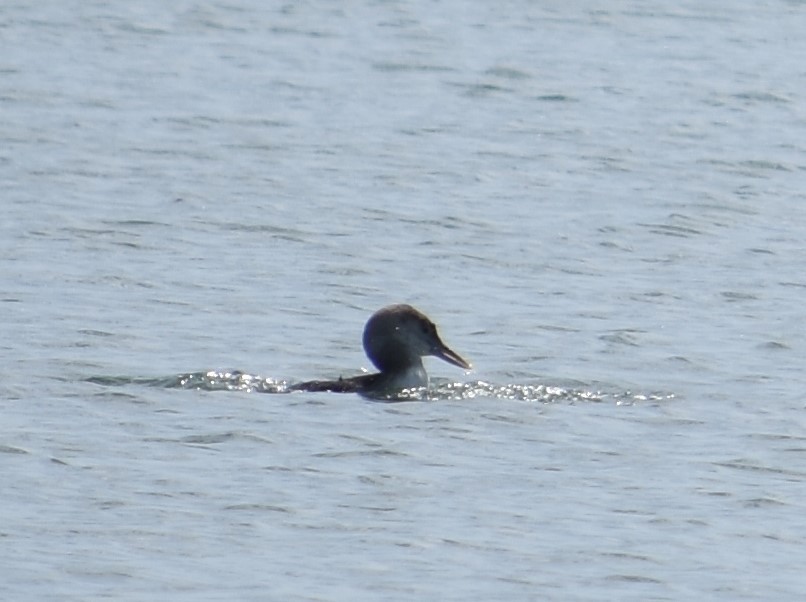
(602, 209)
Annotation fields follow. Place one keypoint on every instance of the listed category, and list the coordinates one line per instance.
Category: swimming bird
(395, 339)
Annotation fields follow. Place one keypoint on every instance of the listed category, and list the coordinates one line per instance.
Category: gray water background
(602, 206)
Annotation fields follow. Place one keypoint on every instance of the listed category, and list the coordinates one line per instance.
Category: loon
(395, 339)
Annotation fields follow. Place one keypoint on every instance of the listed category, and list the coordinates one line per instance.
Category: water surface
(602, 209)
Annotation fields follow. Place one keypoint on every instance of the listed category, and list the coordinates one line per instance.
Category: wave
(440, 390)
